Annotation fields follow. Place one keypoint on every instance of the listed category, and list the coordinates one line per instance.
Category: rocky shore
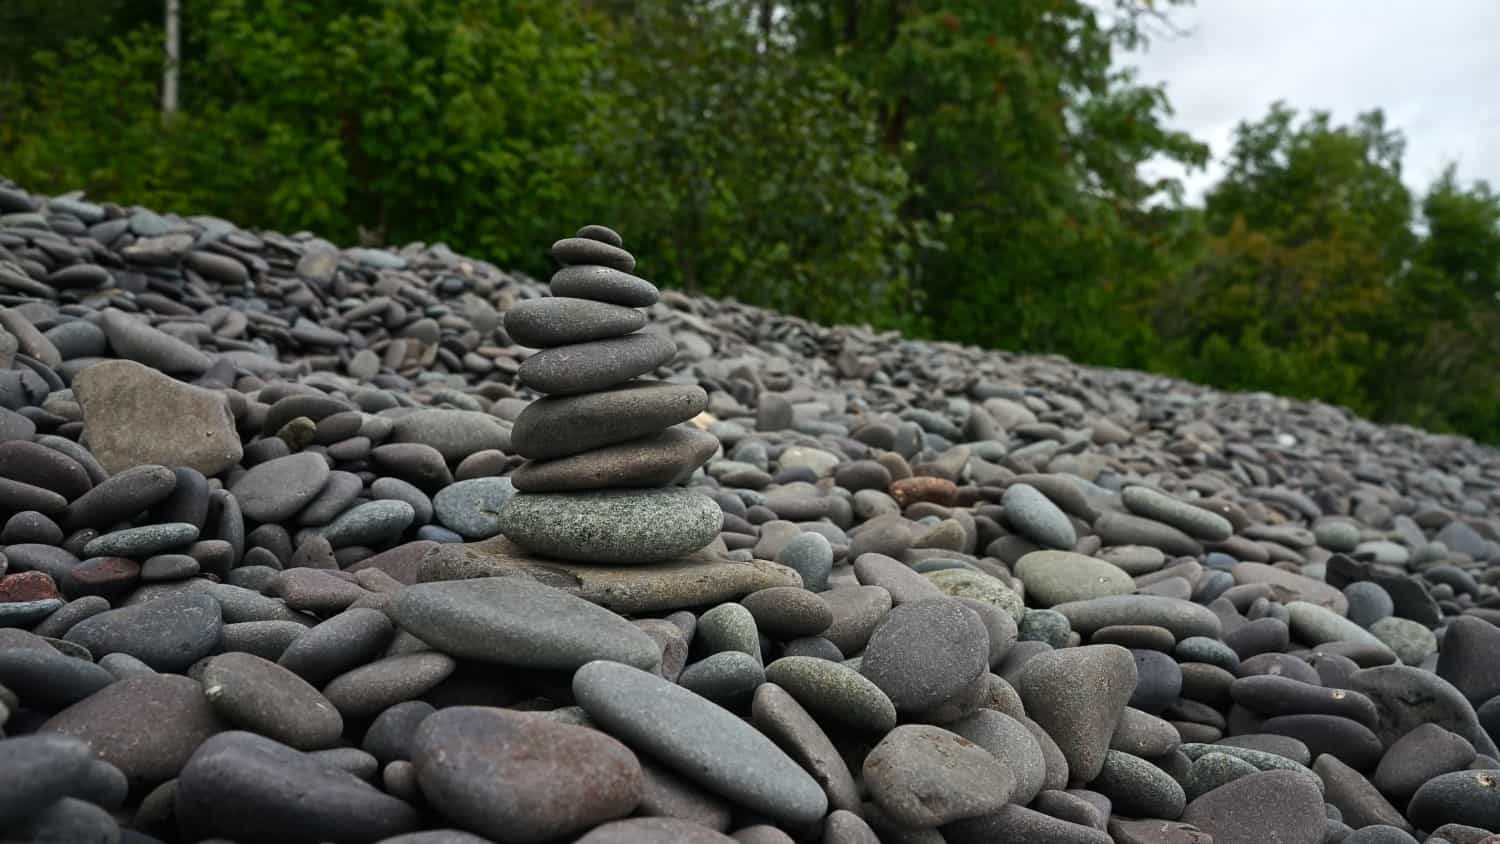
(266, 574)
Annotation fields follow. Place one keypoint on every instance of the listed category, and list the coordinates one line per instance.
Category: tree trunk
(169, 66)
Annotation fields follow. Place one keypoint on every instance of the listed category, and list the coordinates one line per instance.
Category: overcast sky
(1433, 66)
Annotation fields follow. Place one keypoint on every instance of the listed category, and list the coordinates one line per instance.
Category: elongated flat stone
(612, 526)
(561, 320)
(585, 367)
(576, 251)
(556, 426)
(1183, 618)
(691, 580)
(662, 459)
(1194, 521)
(703, 742)
(604, 284)
(518, 621)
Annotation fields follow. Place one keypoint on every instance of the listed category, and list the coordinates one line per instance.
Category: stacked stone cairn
(605, 449)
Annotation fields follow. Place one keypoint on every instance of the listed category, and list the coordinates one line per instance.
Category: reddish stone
(925, 488)
(108, 577)
(27, 586)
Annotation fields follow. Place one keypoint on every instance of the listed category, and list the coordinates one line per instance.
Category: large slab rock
(136, 416)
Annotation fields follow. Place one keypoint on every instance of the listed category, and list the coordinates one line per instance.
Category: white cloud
(1433, 67)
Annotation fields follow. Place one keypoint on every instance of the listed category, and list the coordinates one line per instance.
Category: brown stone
(147, 725)
(925, 488)
(695, 579)
(27, 586)
(136, 416)
(402, 562)
(109, 577)
(521, 777)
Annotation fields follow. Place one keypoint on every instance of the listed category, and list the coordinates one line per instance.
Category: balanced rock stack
(604, 449)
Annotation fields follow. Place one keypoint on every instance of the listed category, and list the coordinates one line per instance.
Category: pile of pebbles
(254, 586)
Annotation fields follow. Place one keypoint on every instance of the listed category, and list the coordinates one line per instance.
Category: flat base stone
(621, 526)
(696, 579)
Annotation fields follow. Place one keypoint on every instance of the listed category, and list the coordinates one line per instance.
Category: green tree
(742, 167)
(445, 120)
(1450, 305)
(1023, 144)
(1316, 279)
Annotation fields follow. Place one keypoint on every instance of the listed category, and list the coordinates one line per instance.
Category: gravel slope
(254, 587)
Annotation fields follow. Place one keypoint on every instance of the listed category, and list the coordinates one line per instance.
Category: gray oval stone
(370, 689)
(168, 634)
(1194, 521)
(1037, 518)
(39, 769)
(561, 320)
(471, 508)
(926, 653)
(604, 284)
(597, 365)
(1077, 695)
(832, 691)
(614, 526)
(258, 695)
(371, 524)
(146, 725)
(698, 739)
(141, 542)
(924, 776)
(1182, 618)
(556, 426)
(518, 621)
(661, 459)
(1057, 577)
(275, 490)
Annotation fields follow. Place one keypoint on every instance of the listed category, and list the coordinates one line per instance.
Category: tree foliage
(963, 169)
(1320, 277)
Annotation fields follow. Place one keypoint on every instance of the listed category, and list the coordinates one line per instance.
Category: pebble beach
(302, 542)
